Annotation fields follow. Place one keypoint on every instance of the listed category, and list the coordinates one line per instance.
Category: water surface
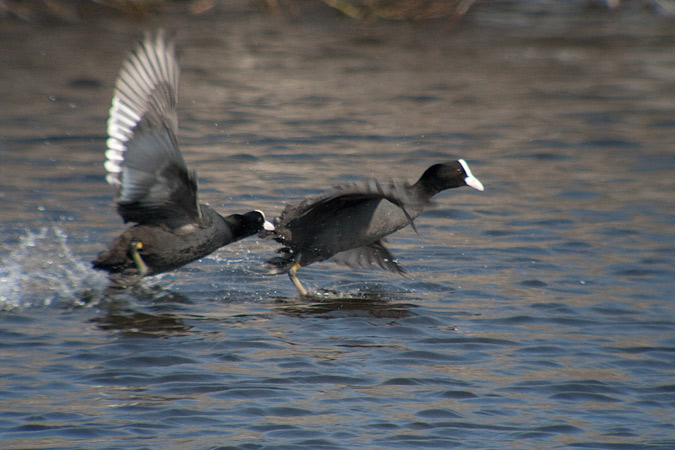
(538, 314)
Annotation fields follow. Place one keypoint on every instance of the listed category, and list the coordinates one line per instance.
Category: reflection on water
(537, 314)
(371, 301)
(141, 324)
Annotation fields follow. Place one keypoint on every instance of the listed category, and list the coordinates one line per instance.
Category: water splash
(41, 270)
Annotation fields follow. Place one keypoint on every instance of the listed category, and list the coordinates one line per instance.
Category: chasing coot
(155, 190)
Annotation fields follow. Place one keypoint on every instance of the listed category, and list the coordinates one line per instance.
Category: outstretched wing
(144, 161)
(351, 195)
(375, 254)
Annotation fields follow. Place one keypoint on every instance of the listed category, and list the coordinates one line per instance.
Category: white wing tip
(113, 179)
(112, 167)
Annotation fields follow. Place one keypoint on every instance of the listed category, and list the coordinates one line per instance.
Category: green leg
(140, 264)
(294, 278)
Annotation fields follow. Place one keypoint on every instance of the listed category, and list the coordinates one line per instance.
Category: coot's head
(440, 177)
(251, 223)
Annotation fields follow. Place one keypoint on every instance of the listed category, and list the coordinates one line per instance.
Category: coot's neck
(219, 225)
(237, 225)
(243, 225)
(429, 185)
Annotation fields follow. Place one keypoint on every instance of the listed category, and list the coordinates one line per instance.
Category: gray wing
(144, 161)
(351, 195)
(375, 254)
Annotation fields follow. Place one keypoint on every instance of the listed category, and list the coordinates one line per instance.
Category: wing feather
(143, 159)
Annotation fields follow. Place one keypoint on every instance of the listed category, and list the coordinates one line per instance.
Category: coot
(349, 224)
(154, 189)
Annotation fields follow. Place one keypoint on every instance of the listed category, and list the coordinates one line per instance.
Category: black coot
(154, 188)
(350, 223)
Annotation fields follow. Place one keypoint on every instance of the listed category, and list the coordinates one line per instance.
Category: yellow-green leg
(292, 274)
(140, 264)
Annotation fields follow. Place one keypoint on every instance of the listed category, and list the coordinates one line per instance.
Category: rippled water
(538, 314)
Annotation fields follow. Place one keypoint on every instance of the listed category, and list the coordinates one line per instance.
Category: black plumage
(154, 188)
(350, 223)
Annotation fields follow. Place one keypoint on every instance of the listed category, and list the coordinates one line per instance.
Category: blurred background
(537, 314)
